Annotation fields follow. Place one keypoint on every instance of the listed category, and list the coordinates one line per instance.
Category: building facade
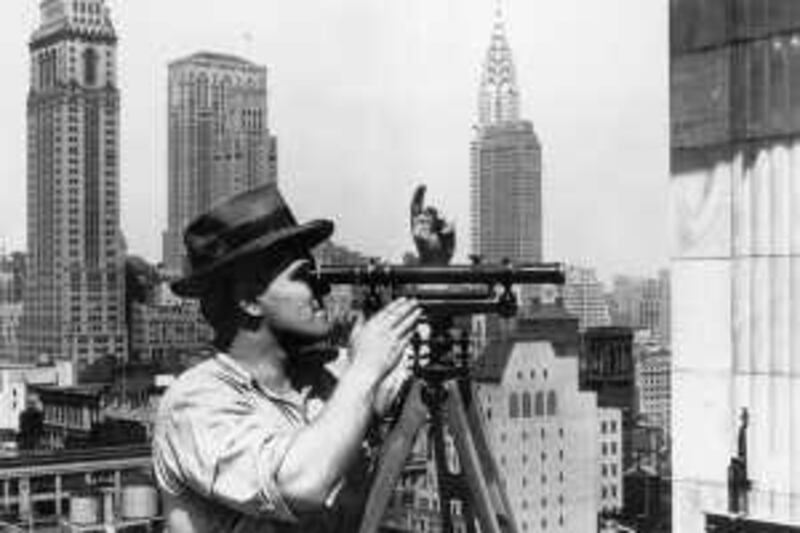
(16, 381)
(654, 386)
(12, 277)
(160, 330)
(219, 140)
(10, 316)
(735, 201)
(506, 173)
(74, 287)
(584, 297)
(547, 437)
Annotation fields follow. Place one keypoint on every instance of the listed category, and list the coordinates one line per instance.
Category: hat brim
(306, 235)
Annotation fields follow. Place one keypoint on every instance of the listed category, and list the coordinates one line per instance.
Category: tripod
(441, 394)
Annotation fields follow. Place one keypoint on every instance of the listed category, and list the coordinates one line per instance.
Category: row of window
(526, 409)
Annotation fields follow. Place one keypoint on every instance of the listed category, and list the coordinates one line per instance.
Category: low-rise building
(160, 330)
(546, 436)
(16, 382)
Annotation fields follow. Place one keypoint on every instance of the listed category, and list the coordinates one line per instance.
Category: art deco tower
(74, 290)
(506, 205)
(219, 142)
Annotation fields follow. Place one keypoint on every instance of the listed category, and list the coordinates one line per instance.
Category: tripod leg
(437, 440)
(489, 500)
(393, 455)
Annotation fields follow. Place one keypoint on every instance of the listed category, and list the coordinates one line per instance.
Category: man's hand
(434, 237)
(378, 345)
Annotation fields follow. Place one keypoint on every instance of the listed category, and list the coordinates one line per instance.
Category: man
(237, 446)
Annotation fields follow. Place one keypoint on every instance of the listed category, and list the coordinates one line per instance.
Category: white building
(547, 437)
(610, 460)
(14, 382)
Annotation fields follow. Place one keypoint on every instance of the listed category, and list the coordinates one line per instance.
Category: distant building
(642, 304)
(219, 139)
(74, 283)
(547, 437)
(12, 277)
(162, 330)
(654, 386)
(70, 413)
(607, 368)
(506, 168)
(10, 316)
(584, 297)
(16, 381)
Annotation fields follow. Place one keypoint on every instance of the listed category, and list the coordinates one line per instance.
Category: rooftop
(214, 57)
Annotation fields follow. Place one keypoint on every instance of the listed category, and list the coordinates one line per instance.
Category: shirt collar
(244, 377)
(236, 370)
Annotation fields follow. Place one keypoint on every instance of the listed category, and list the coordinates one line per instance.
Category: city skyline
(406, 106)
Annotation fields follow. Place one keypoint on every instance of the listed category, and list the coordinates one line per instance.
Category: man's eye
(302, 273)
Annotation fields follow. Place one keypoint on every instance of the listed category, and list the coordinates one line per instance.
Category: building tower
(74, 288)
(219, 142)
(506, 202)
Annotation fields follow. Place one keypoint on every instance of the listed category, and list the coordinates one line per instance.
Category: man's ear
(250, 308)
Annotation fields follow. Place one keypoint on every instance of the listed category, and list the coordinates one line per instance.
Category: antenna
(247, 40)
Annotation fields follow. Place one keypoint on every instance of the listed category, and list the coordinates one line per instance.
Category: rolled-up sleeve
(210, 439)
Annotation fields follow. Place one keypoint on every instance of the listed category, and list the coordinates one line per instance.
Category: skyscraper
(506, 200)
(74, 288)
(219, 142)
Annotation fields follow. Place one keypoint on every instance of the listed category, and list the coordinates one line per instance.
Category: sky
(369, 98)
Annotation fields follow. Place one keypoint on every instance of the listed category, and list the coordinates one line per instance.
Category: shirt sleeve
(211, 440)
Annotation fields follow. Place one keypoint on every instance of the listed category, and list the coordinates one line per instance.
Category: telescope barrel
(393, 275)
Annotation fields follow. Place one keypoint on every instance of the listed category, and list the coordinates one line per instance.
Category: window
(551, 403)
(526, 405)
(539, 407)
(90, 66)
(513, 405)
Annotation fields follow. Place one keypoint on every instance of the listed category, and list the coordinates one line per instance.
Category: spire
(499, 96)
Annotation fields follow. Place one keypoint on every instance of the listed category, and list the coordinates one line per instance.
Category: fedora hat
(252, 222)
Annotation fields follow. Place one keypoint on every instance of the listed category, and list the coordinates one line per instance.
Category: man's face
(289, 305)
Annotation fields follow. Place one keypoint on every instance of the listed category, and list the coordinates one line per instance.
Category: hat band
(226, 241)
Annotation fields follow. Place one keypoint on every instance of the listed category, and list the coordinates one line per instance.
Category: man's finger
(416, 202)
(408, 322)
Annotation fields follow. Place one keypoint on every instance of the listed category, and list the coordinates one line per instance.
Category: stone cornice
(67, 34)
